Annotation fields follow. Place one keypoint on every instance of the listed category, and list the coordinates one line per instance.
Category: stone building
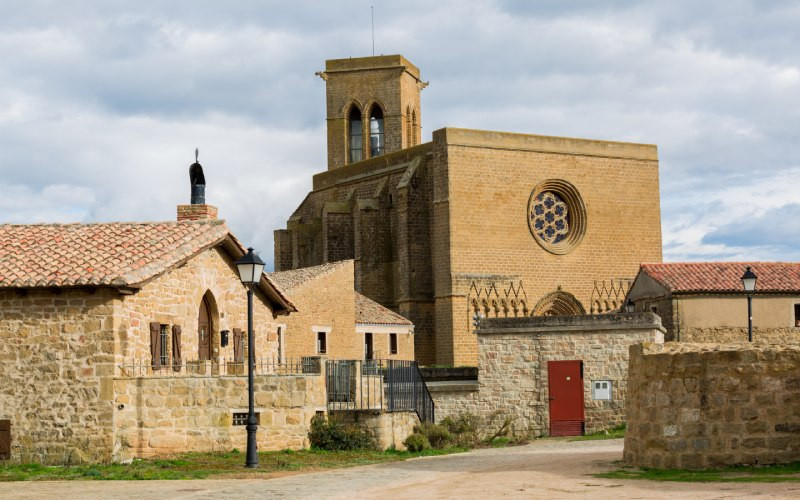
(472, 221)
(705, 301)
(335, 321)
(126, 339)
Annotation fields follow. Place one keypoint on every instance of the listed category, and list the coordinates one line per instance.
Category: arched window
(355, 133)
(413, 127)
(376, 131)
(408, 126)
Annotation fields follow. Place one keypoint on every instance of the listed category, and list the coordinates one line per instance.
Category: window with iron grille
(392, 343)
(163, 339)
(241, 418)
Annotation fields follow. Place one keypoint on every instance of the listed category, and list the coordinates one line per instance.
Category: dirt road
(545, 469)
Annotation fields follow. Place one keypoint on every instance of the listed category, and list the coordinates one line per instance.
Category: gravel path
(544, 469)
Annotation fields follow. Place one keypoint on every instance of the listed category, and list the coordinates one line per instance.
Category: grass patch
(615, 433)
(217, 465)
(739, 474)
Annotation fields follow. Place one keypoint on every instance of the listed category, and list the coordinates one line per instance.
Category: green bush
(334, 436)
(438, 435)
(464, 429)
(417, 442)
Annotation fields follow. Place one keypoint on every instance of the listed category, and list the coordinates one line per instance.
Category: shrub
(464, 429)
(334, 436)
(417, 442)
(438, 435)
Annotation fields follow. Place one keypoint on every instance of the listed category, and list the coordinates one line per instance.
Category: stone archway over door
(204, 331)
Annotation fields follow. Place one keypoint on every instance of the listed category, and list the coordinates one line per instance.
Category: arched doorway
(558, 303)
(204, 325)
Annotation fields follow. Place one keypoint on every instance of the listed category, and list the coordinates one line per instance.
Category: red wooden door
(204, 332)
(565, 384)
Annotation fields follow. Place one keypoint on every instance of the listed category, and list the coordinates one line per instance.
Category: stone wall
(513, 368)
(164, 415)
(489, 234)
(706, 405)
(388, 429)
(174, 298)
(56, 373)
(451, 399)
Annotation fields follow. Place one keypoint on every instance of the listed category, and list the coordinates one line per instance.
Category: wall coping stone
(570, 324)
(454, 386)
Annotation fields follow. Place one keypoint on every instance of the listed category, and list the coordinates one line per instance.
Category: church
(496, 223)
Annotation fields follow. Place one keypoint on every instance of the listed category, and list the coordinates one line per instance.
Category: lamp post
(250, 269)
(749, 283)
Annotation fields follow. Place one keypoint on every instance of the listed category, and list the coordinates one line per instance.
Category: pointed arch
(558, 303)
(414, 127)
(409, 129)
(355, 132)
(377, 136)
(207, 325)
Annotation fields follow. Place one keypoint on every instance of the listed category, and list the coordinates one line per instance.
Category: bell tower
(373, 107)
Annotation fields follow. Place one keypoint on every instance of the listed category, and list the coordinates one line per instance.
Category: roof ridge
(119, 223)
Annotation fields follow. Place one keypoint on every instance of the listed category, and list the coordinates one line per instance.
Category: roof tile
(119, 253)
(724, 276)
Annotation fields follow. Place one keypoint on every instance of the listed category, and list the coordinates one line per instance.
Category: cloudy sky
(102, 103)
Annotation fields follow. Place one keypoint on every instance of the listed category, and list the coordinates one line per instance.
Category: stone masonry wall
(164, 415)
(388, 429)
(174, 298)
(454, 399)
(708, 405)
(513, 368)
(56, 374)
(489, 231)
(732, 334)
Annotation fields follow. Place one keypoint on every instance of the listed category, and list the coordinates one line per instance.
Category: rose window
(550, 217)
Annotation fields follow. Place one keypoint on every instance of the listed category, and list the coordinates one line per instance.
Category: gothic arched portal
(558, 303)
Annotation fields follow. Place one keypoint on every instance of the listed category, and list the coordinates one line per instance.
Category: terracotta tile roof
(774, 277)
(116, 254)
(369, 312)
(293, 278)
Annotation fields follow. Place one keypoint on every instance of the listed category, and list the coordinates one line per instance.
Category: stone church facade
(499, 223)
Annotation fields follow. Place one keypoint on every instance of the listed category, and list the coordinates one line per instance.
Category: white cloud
(101, 107)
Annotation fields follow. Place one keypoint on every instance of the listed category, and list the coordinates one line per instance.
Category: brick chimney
(197, 209)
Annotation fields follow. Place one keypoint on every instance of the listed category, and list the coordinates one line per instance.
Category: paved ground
(545, 469)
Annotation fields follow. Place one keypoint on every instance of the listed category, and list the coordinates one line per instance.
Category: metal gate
(341, 382)
(565, 385)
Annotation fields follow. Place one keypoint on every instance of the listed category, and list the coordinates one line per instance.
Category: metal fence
(222, 367)
(387, 385)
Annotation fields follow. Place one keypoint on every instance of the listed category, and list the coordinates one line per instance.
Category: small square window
(601, 390)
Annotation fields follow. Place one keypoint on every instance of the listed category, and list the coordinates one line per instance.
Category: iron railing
(386, 385)
(222, 367)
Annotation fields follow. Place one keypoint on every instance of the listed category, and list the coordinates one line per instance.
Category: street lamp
(630, 306)
(250, 269)
(749, 283)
